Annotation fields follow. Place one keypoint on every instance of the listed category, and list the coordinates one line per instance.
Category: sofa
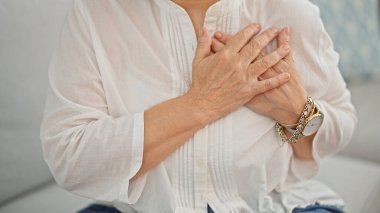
(28, 34)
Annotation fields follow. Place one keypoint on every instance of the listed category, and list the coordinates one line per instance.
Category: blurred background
(29, 31)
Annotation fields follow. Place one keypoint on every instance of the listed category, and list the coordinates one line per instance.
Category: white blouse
(117, 58)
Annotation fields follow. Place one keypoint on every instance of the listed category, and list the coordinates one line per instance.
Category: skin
(221, 83)
(196, 10)
(275, 103)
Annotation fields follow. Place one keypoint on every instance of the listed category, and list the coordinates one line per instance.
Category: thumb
(203, 45)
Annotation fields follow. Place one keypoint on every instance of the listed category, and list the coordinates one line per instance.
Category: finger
(261, 65)
(284, 38)
(279, 68)
(242, 37)
(271, 83)
(254, 47)
(203, 45)
(216, 45)
(222, 37)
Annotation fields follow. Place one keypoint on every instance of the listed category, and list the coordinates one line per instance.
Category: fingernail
(258, 26)
(287, 30)
(286, 47)
(251, 28)
(218, 35)
(273, 30)
(286, 76)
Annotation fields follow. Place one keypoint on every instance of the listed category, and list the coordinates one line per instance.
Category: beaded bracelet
(300, 125)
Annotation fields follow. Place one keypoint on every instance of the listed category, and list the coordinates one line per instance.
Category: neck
(195, 4)
(196, 10)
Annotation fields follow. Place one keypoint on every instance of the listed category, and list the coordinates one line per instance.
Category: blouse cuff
(307, 169)
(132, 189)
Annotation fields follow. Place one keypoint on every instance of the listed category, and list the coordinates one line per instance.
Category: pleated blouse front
(117, 58)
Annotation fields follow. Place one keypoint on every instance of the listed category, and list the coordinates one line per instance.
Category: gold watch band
(310, 113)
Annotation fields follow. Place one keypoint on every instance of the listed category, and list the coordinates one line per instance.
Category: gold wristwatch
(312, 123)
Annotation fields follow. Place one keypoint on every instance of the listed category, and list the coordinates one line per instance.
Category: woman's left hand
(285, 103)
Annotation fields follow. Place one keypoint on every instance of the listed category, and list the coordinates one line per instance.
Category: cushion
(365, 142)
(357, 181)
(50, 198)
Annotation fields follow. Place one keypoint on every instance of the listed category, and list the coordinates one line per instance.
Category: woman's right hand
(228, 79)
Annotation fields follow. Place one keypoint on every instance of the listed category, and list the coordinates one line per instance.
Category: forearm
(303, 149)
(167, 126)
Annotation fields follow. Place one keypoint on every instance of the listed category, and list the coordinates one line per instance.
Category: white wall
(29, 30)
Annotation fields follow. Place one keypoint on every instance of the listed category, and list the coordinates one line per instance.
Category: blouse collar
(220, 8)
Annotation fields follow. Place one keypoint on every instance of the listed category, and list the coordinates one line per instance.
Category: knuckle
(261, 55)
(256, 44)
(246, 53)
(247, 33)
(265, 63)
(268, 84)
(242, 78)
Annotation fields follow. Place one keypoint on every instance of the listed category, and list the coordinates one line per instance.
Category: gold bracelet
(300, 125)
(295, 125)
(289, 125)
(292, 128)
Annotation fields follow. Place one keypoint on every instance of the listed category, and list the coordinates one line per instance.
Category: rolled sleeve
(323, 81)
(132, 189)
(90, 151)
(137, 143)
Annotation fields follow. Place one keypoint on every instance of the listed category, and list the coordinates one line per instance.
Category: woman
(145, 115)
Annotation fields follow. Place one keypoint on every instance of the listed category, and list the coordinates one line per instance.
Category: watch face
(313, 125)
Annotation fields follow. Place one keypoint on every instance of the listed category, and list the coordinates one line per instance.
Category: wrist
(202, 114)
(309, 123)
(301, 124)
(293, 115)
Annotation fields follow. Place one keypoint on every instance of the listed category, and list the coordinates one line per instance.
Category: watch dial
(313, 126)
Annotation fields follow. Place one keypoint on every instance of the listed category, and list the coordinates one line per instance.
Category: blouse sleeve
(88, 151)
(317, 62)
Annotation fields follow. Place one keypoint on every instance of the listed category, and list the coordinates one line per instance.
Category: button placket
(200, 172)
(183, 42)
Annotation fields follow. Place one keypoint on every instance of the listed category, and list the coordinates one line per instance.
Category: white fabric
(118, 58)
